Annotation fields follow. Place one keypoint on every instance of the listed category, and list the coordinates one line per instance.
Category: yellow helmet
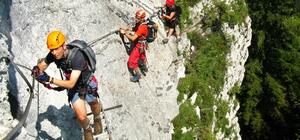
(55, 39)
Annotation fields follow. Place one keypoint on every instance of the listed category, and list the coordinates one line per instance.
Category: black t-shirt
(169, 10)
(78, 63)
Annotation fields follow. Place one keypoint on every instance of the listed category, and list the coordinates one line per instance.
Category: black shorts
(172, 24)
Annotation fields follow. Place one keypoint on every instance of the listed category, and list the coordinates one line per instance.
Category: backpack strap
(72, 52)
(144, 37)
(178, 12)
(85, 79)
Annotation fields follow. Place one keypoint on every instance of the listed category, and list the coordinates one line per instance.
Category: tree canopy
(269, 97)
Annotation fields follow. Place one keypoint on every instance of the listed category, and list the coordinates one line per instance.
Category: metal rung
(102, 136)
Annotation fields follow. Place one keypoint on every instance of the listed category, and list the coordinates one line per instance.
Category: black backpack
(178, 11)
(89, 54)
(152, 30)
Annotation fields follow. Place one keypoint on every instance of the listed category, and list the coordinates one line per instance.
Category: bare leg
(177, 31)
(80, 111)
(171, 31)
(177, 34)
(96, 109)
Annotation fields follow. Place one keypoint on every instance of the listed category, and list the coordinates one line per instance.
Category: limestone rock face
(148, 106)
(236, 58)
(235, 71)
(6, 121)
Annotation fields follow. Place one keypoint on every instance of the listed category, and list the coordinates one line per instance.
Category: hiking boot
(144, 69)
(88, 134)
(165, 41)
(134, 79)
(97, 126)
(143, 72)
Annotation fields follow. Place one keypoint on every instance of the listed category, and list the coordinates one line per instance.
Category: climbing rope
(93, 42)
(23, 66)
(25, 114)
(119, 13)
(137, 2)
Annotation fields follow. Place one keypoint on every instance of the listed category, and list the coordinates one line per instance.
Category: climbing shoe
(88, 134)
(178, 39)
(165, 41)
(144, 69)
(143, 72)
(97, 126)
(134, 79)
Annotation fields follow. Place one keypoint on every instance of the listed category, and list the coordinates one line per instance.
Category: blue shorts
(88, 97)
(91, 92)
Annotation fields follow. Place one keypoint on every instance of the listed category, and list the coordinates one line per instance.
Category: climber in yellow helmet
(81, 84)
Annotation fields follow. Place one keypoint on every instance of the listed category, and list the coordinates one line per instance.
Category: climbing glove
(35, 72)
(43, 77)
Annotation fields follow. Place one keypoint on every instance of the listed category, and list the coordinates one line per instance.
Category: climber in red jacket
(137, 55)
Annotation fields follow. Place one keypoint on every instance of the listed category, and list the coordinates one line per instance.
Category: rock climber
(138, 38)
(80, 82)
(171, 18)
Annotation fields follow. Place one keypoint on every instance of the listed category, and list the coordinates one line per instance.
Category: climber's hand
(43, 77)
(122, 31)
(35, 72)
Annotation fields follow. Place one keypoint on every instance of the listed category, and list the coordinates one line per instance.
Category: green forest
(205, 72)
(269, 97)
(270, 93)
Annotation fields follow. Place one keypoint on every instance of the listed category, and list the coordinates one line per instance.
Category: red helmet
(170, 2)
(141, 14)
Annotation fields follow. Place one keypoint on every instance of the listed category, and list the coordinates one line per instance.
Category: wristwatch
(51, 80)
